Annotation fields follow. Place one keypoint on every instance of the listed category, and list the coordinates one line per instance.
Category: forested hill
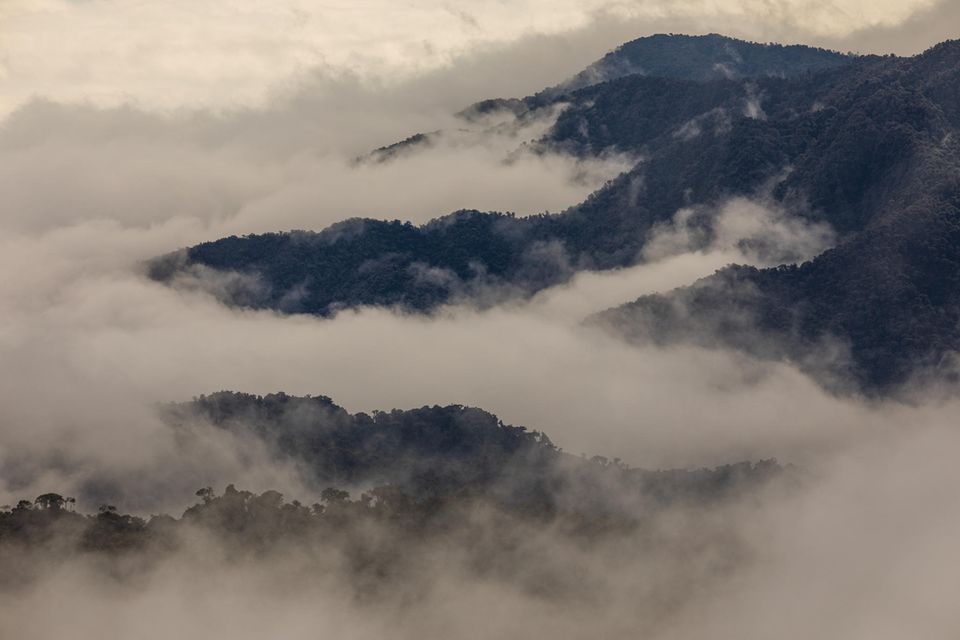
(486, 256)
(887, 301)
(392, 487)
(869, 147)
(438, 451)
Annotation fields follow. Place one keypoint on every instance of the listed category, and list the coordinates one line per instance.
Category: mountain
(488, 256)
(679, 57)
(437, 451)
(429, 450)
(869, 147)
(428, 480)
(887, 300)
(401, 503)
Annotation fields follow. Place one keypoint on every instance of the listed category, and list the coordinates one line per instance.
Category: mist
(104, 166)
(239, 173)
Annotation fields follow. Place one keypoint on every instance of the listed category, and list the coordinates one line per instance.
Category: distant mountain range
(869, 145)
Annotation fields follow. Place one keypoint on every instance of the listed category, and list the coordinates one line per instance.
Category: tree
(330, 495)
(53, 502)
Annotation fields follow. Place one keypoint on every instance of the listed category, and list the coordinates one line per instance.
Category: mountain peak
(704, 57)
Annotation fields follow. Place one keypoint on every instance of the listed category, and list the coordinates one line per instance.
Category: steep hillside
(674, 57)
(487, 256)
(437, 451)
(887, 301)
(870, 148)
(702, 58)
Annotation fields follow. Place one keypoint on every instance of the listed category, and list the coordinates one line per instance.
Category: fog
(861, 552)
(103, 165)
(242, 173)
(546, 584)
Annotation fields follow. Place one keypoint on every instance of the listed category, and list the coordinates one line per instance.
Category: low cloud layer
(244, 173)
(89, 346)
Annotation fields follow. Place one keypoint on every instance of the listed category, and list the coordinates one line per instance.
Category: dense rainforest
(391, 490)
(438, 451)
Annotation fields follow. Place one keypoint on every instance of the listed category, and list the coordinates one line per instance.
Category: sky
(240, 53)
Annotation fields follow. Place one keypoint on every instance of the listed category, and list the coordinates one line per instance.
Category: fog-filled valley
(468, 322)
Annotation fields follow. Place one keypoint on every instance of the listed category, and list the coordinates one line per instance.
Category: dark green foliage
(870, 147)
(450, 483)
(890, 298)
(54, 522)
(397, 149)
(704, 58)
(890, 294)
(486, 256)
(439, 451)
(370, 262)
(428, 451)
(630, 113)
(245, 521)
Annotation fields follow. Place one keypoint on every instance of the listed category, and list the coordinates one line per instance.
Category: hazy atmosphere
(137, 134)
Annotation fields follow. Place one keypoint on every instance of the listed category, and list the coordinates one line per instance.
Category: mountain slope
(486, 256)
(701, 58)
(889, 297)
(870, 148)
(437, 451)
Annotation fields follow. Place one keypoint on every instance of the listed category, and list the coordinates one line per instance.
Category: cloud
(762, 230)
(245, 172)
(89, 346)
(444, 583)
(207, 53)
(858, 552)
(930, 25)
(189, 121)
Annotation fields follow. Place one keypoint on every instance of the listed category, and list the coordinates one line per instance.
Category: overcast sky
(221, 53)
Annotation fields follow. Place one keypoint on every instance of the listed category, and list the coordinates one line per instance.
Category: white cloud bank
(227, 53)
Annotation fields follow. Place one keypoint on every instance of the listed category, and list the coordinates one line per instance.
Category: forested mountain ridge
(419, 478)
(889, 297)
(677, 57)
(432, 452)
(702, 58)
(375, 545)
(869, 147)
(474, 255)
